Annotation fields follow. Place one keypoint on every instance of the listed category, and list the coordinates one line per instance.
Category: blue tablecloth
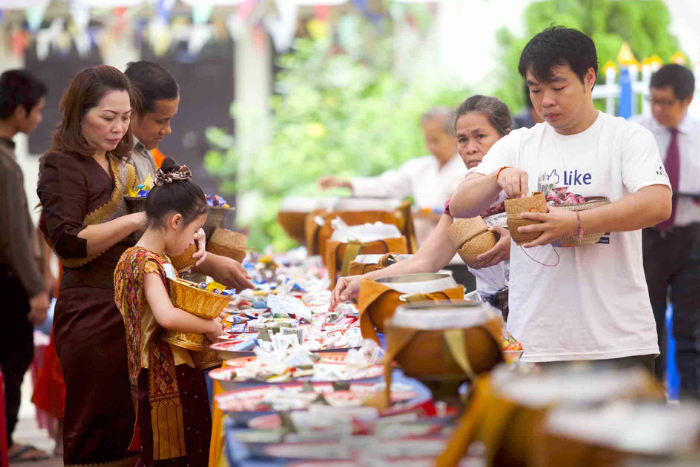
(239, 456)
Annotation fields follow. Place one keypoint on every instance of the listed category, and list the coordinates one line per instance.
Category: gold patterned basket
(471, 237)
(187, 296)
(184, 260)
(186, 340)
(515, 207)
(589, 238)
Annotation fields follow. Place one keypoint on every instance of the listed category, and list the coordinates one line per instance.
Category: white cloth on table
(422, 179)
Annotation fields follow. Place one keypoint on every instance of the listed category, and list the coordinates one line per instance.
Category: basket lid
(442, 315)
(463, 230)
(305, 204)
(641, 428)
(366, 204)
(419, 283)
(374, 259)
(572, 384)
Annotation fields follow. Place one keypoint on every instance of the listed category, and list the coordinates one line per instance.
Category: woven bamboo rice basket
(379, 299)
(236, 253)
(515, 207)
(471, 237)
(588, 238)
(135, 204)
(293, 224)
(227, 243)
(508, 409)
(229, 238)
(187, 296)
(215, 219)
(184, 260)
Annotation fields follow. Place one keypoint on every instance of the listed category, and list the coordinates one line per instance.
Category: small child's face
(183, 237)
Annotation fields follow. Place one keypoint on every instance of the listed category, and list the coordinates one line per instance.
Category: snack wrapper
(217, 201)
(557, 195)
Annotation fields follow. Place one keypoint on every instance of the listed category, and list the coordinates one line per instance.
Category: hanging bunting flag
(79, 13)
(282, 27)
(165, 9)
(45, 38)
(245, 9)
(259, 37)
(200, 34)
(201, 13)
(318, 29)
(349, 36)
(367, 12)
(321, 12)
(159, 36)
(236, 27)
(35, 15)
(19, 41)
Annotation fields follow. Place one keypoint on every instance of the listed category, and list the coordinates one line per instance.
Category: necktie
(673, 170)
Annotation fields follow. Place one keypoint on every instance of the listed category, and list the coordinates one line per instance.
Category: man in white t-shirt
(594, 304)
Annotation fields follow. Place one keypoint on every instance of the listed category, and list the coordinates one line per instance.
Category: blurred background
(276, 93)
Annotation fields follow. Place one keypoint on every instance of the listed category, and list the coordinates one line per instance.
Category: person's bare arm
(225, 271)
(433, 255)
(101, 237)
(648, 206)
(478, 192)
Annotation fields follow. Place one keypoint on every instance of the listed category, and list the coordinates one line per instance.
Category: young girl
(173, 419)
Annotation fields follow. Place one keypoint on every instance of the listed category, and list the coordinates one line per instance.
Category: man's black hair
(528, 101)
(558, 46)
(152, 83)
(18, 87)
(680, 78)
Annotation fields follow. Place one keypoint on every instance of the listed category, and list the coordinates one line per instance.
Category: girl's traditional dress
(76, 192)
(168, 388)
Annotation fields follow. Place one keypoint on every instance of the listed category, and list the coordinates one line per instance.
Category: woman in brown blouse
(82, 182)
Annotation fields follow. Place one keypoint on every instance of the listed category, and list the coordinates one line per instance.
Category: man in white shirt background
(588, 302)
(429, 180)
(672, 248)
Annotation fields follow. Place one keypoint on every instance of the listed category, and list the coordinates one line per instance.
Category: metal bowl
(408, 278)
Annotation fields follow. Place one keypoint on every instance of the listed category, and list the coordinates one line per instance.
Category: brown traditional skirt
(196, 416)
(91, 345)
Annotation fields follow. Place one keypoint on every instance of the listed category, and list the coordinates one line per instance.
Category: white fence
(611, 90)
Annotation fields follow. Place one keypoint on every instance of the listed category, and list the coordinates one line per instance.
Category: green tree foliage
(335, 113)
(643, 24)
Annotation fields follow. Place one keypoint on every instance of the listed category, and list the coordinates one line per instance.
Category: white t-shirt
(595, 304)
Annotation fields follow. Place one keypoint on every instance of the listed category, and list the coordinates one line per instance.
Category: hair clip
(181, 174)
